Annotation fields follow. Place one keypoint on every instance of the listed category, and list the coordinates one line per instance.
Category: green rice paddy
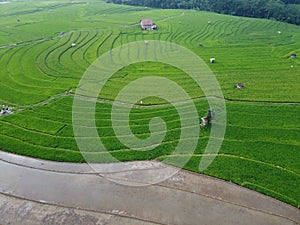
(38, 68)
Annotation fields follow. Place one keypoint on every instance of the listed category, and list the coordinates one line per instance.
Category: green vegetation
(282, 10)
(261, 149)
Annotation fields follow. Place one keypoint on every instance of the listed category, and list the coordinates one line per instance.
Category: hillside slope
(40, 71)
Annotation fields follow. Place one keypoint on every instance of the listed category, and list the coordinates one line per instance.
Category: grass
(38, 66)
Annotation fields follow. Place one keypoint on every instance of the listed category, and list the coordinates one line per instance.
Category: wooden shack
(147, 24)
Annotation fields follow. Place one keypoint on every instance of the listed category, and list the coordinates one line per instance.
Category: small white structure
(279, 32)
(204, 122)
(212, 60)
(141, 102)
(6, 110)
(73, 44)
(210, 115)
(240, 85)
(146, 42)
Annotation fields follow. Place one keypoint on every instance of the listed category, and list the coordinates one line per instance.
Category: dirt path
(42, 192)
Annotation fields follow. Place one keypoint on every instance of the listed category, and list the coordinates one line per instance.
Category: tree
(282, 10)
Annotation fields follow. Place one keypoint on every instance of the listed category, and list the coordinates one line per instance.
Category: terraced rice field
(39, 67)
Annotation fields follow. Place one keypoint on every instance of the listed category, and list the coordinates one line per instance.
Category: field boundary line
(238, 157)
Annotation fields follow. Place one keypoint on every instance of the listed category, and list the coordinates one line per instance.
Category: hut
(147, 24)
(212, 60)
(210, 115)
(240, 85)
(6, 110)
(204, 122)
